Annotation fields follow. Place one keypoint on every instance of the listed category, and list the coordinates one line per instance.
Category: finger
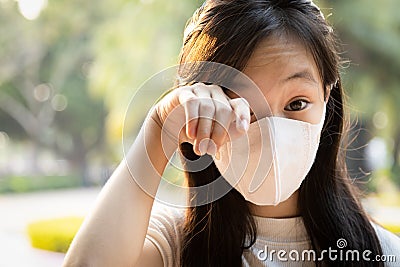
(205, 119)
(224, 115)
(242, 113)
(191, 105)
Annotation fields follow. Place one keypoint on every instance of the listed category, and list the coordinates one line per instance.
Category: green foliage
(95, 54)
(370, 36)
(55, 234)
(52, 51)
(22, 184)
(98, 53)
(396, 174)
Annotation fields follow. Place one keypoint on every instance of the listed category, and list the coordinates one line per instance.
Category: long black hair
(216, 234)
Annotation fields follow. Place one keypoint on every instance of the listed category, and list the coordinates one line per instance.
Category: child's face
(288, 78)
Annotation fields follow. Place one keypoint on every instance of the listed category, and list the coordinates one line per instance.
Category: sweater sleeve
(165, 232)
(390, 244)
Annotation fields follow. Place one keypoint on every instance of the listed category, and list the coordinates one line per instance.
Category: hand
(202, 115)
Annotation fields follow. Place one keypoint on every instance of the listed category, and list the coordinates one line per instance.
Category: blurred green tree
(370, 34)
(43, 80)
(66, 78)
(67, 75)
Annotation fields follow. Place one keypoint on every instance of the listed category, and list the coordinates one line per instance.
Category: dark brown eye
(297, 105)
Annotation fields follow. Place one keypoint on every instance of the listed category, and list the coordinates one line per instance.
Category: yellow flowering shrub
(54, 234)
(394, 228)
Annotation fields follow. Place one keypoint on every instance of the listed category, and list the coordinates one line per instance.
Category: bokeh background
(68, 69)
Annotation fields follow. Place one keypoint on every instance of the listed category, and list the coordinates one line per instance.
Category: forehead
(279, 57)
(276, 64)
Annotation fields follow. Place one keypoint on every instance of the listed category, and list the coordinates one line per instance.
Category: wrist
(157, 137)
(153, 115)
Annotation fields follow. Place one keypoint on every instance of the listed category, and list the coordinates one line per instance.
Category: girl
(289, 200)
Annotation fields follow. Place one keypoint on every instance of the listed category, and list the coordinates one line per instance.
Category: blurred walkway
(383, 214)
(20, 209)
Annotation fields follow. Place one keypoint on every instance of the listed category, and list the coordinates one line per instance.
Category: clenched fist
(202, 115)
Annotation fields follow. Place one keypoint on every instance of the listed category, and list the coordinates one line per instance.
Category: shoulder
(166, 219)
(390, 243)
(165, 231)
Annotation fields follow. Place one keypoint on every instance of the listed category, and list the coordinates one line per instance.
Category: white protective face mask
(269, 163)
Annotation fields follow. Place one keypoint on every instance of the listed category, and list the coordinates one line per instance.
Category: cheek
(314, 115)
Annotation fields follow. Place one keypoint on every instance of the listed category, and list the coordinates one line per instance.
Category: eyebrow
(305, 74)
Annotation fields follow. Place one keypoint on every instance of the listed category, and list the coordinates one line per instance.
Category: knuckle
(207, 107)
(199, 84)
(184, 97)
(198, 87)
(215, 88)
(182, 90)
(234, 102)
(245, 102)
(240, 101)
(223, 110)
(192, 102)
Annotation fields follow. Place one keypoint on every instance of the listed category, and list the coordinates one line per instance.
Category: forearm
(113, 233)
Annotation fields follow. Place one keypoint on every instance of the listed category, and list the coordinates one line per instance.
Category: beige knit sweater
(280, 242)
